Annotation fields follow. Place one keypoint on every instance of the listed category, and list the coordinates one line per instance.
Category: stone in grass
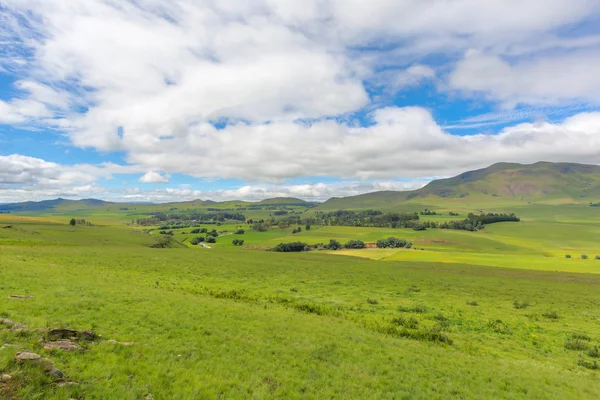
(66, 345)
(25, 357)
(20, 296)
(126, 344)
(5, 378)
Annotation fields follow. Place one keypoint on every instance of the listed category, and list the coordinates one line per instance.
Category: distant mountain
(283, 201)
(507, 183)
(47, 205)
(75, 205)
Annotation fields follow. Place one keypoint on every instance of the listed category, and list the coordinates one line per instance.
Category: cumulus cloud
(153, 177)
(548, 79)
(265, 90)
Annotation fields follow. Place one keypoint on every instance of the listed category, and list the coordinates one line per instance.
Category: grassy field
(499, 313)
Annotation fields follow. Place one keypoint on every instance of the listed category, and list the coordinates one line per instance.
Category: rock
(5, 378)
(17, 296)
(126, 344)
(64, 384)
(25, 357)
(6, 346)
(19, 327)
(56, 373)
(66, 345)
(7, 322)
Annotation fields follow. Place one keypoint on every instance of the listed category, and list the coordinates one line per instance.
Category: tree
(355, 244)
(307, 227)
(334, 245)
(72, 222)
(211, 239)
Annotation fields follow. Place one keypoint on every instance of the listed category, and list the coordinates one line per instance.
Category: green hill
(502, 183)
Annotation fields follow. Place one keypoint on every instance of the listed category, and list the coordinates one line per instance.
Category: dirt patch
(68, 334)
(256, 247)
(65, 345)
(370, 245)
(432, 241)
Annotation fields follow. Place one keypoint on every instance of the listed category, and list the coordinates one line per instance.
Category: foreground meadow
(238, 323)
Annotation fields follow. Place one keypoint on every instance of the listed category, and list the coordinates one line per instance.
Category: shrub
(307, 227)
(239, 232)
(576, 344)
(212, 233)
(597, 257)
(519, 306)
(567, 256)
(197, 240)
(393, 243)
(355, 244)
(211, 239)
(372, 301)
(584, 257)
(290, 247)
(550, 315)
(498, 326)
(472, 303)
(594, 352)
(334, 245)
(418, 309)
(413, 289)
(198, 230)
(237, 242)
(409, 323)
(587, 364)
(581, 336)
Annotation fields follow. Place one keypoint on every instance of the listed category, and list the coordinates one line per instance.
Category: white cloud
(548, 79)
(148, 77)
(153, 177)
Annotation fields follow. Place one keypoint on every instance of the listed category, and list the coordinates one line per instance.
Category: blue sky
(166, 101)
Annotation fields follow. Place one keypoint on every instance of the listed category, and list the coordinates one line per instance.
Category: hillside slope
(502, 183)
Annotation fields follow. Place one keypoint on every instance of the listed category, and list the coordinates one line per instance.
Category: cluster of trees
(297, 230)
(393, 243)
(291, 247)
(237, 242)
(239, 232)
(197, 240)
(81, 221)
(355, 244)
(428, 212)
(199, 230)
(184, 220)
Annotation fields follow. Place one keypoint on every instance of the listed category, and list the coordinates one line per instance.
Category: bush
(290, 247)
(595, 353)
(198, 230)
(211, 239)
(597, 257)
(550, 315)
(409, 323)
(212, 233)
(576, 344)
(334, 245)
(239, 232)
(355, 244)
(418, 309)
(197, 240)
(237, 242)
(519, 306)
(260, 227)
(498, 326)
(584, 257)
(393, 243)
(307, 227)
(567, 256)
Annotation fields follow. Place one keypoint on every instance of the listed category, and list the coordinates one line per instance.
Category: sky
(156, 100)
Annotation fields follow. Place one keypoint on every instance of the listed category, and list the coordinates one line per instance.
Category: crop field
(498, 313)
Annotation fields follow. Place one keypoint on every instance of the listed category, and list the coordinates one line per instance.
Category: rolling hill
(502, 183)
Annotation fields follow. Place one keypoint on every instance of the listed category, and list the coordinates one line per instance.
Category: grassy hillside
(500, 184)
(240, 323)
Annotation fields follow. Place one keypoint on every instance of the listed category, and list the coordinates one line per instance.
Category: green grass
(233, 322)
